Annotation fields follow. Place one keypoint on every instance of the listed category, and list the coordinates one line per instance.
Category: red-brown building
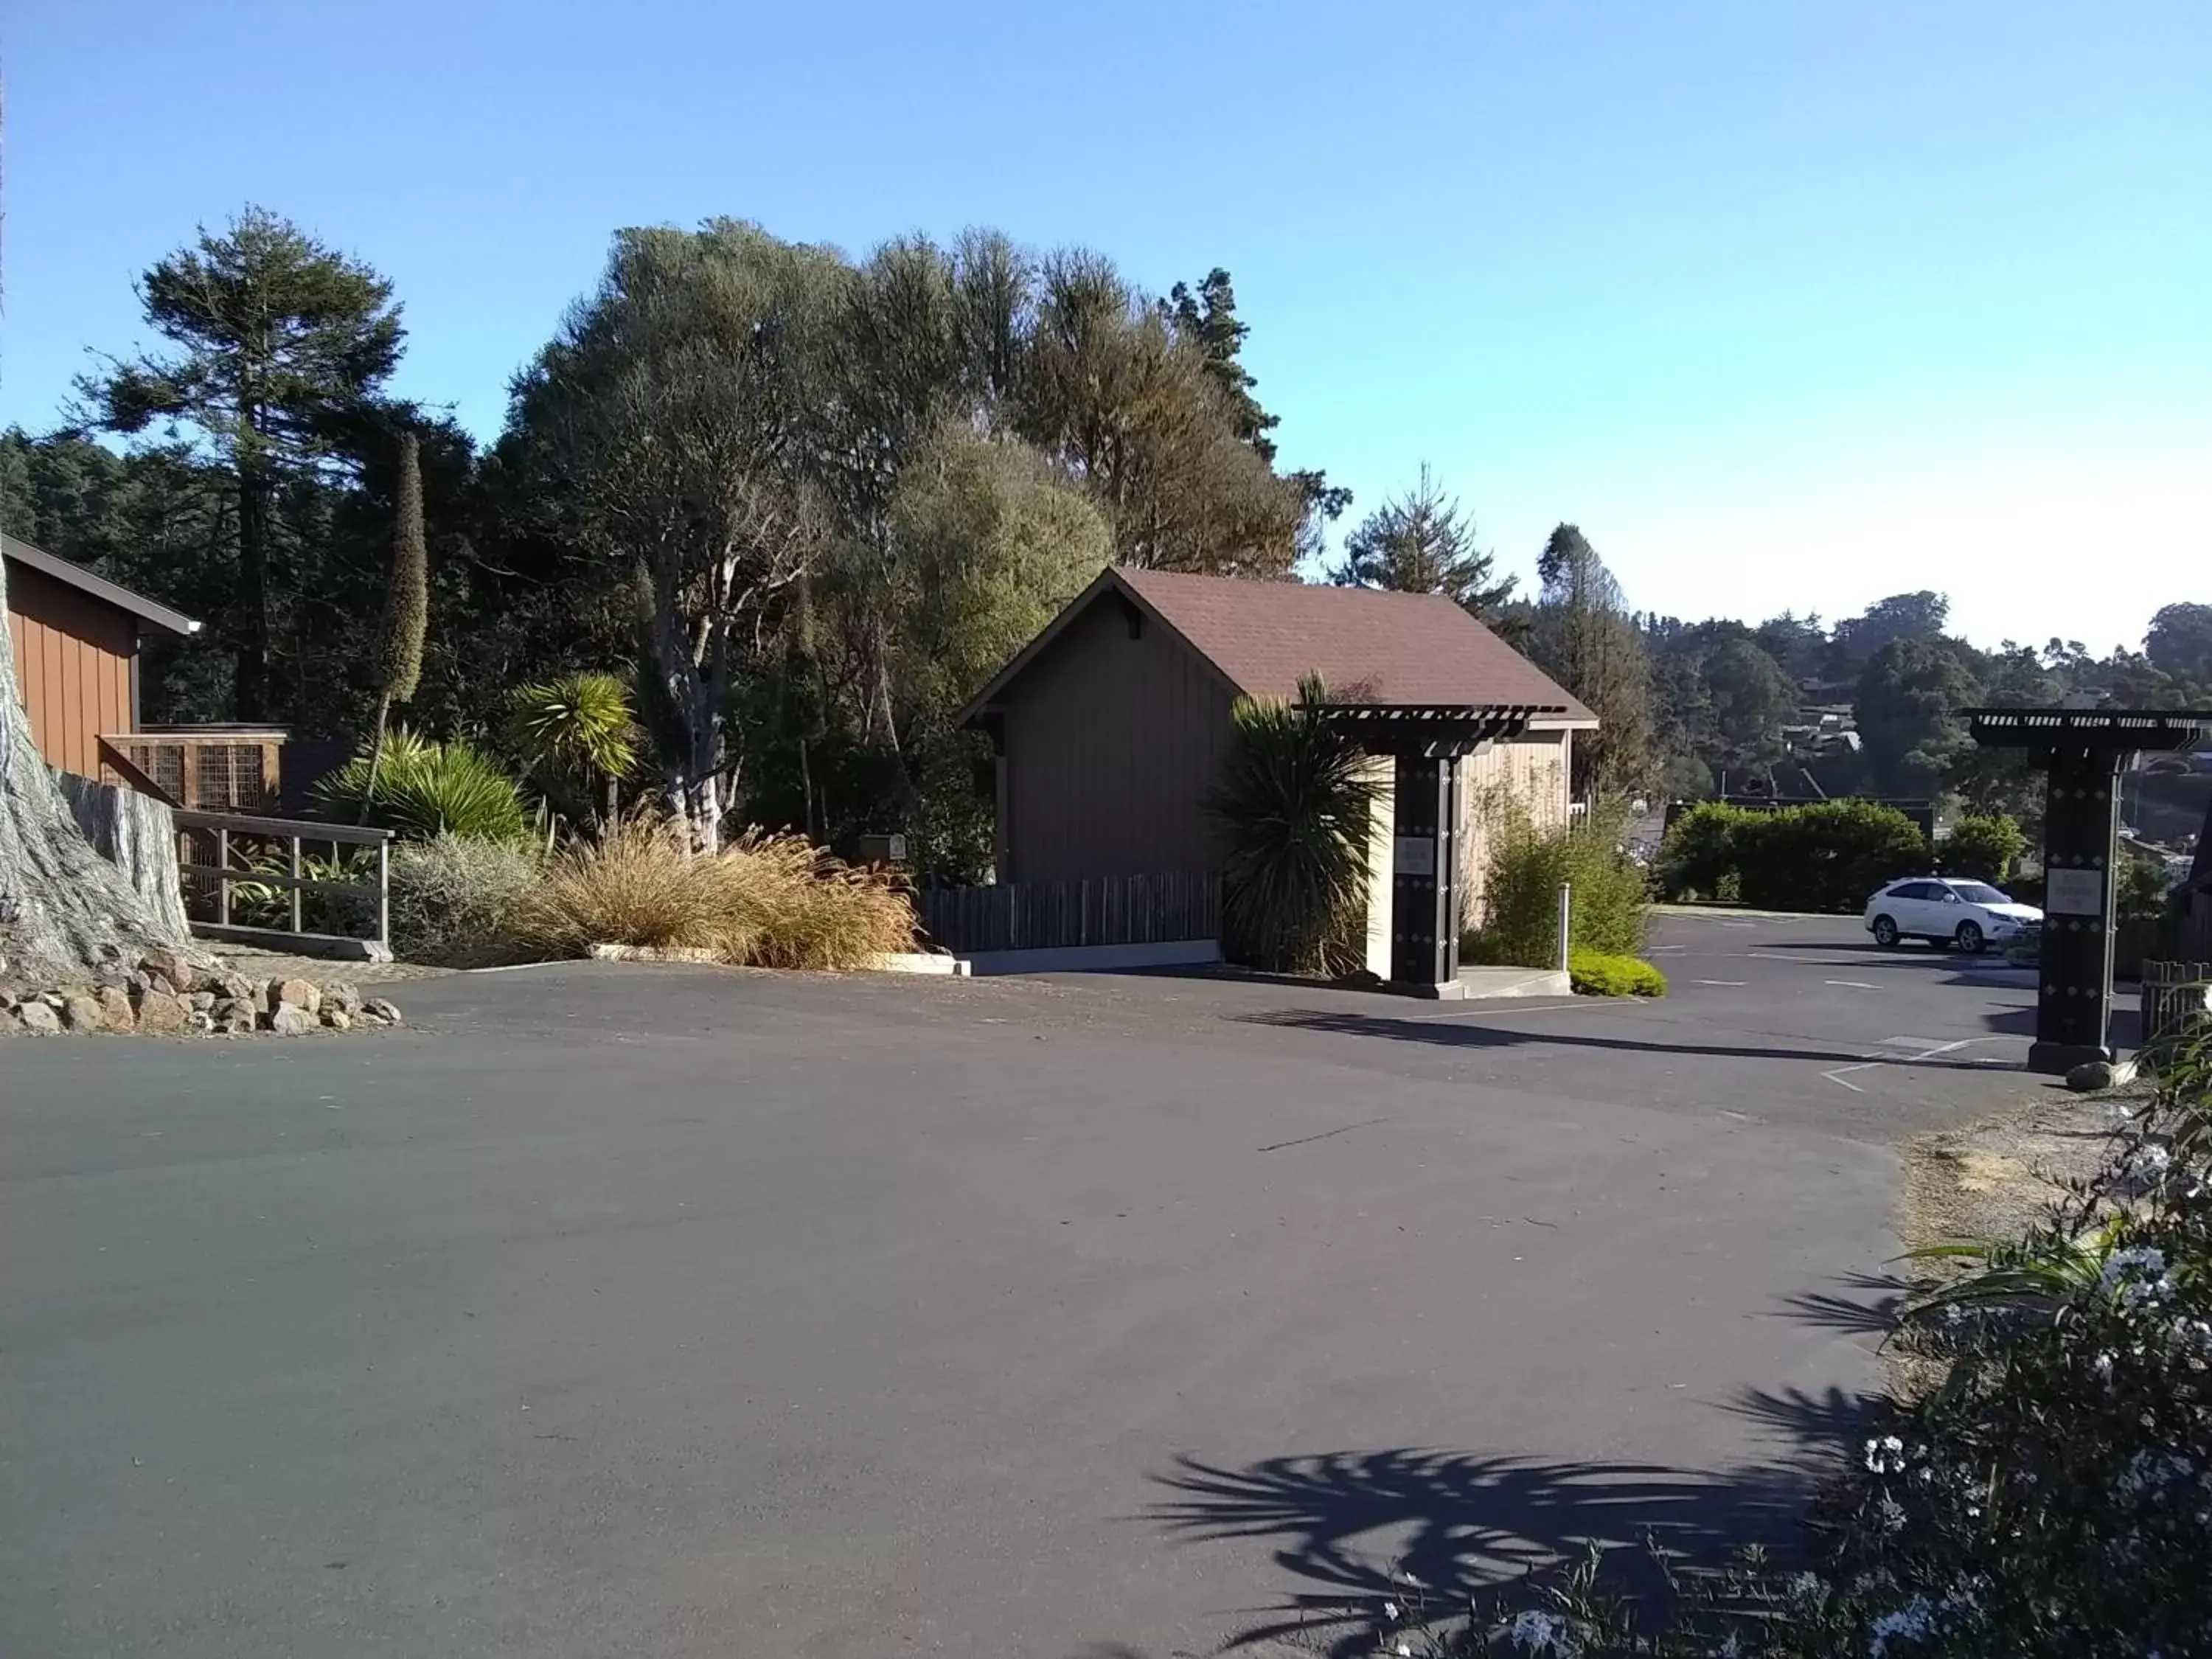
(77, 637)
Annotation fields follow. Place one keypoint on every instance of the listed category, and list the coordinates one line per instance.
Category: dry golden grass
(765, 901)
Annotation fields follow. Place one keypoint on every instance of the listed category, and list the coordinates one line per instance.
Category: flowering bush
(2053, 1496)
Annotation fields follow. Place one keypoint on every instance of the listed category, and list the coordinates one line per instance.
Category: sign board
(2073, 892)
(1413, 855)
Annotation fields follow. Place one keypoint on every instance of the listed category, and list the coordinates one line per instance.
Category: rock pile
(168, 994)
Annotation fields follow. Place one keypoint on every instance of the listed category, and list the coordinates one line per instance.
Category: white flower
(1391, 1610)
(1885, 1456)
(1405, 1650)
(2136, 1275)
(1807, 1586)
(1890, 1513)
(2147, 1471)
(1911, 1622)
(1541, 1633)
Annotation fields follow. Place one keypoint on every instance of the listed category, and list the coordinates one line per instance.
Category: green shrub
(1291, 808)
(453, 899)
(423, 787)
(1610, 904)
(1985, 847)
(1699, 855)
(1823, 856)
(1596, 974)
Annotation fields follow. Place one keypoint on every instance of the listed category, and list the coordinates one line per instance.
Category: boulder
(115, 1007)
(203, 1001)
(7, 1001)
(342, 996)
(290, 1019)
(338, 1019)
(161, 1012)
(171, 965)
(37, 1018)
(233, 1014)
(81, 1013)
(2092, 1075)
(299, 994)
(378, 1008)
(263, 996)
(199, 1022)
(232, 987)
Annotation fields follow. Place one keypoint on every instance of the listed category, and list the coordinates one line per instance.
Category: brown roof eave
(99, 588)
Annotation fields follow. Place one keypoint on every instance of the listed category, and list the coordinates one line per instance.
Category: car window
(1913, 890)
(1978, 892)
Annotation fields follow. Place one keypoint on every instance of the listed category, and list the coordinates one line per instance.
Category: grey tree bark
(136, 834)
(65, 913)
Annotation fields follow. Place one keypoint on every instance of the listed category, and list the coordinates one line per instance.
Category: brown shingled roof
(1261, 636)
(1393, 647)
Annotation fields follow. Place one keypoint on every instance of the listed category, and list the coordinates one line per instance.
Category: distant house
(1110, 726)
(76, 637)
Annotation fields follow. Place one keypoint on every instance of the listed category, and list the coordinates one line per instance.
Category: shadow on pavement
(1455, 1034)
(1355, 1528)
(1866, 1306)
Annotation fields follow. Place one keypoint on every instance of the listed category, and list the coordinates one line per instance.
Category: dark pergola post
(2080, 752)
(1425, 744)
(1425, 876)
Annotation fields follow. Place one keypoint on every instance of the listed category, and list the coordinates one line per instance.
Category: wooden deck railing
(1049, 914)
(257, 868)
(201, 769)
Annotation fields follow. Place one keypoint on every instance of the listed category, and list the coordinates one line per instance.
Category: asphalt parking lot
(619, 1310)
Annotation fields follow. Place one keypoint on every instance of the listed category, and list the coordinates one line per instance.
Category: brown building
(1110, 724)
(76, 638)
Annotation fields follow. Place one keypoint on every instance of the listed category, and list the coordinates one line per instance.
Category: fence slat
(1145, 908)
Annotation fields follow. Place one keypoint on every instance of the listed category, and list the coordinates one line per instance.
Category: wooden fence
(202, 769)
(1038, 916)
(263, 888)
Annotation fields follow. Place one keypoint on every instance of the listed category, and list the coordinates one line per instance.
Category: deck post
(292, 864)
(222, 881)
(384, 892)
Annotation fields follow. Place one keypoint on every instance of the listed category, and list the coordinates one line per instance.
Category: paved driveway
(612, 1311)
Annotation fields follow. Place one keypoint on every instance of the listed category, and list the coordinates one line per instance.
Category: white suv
(1947, 910)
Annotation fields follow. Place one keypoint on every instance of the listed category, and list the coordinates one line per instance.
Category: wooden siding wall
(73, 660)
(1531, 768)
(1111, 744)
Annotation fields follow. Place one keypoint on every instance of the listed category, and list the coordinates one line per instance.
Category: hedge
(1596, 974)
(1826, 856)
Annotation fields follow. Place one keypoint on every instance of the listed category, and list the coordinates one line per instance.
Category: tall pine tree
(1421, 543)
(278, 342)
(406, 608)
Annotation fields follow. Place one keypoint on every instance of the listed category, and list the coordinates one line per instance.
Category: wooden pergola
(1425, 743)
(2080, 753)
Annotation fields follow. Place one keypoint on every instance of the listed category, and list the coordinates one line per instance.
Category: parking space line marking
(1736, 983)
(1875, 1060)
(1852, 984)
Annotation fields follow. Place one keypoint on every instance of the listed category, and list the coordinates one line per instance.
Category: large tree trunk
(65, 912)
(136, 834)
(250, 681)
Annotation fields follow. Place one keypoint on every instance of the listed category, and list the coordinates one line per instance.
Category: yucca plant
(1292, 807)
(423, 787)
(571, 734)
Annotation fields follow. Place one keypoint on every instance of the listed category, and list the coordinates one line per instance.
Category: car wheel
(1970, 937)
(1885, 933)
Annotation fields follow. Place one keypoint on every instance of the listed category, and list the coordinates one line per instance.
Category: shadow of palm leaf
(1456, 1522)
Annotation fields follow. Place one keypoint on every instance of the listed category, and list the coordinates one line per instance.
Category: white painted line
(1739, 924)
(1734, 982)
(1852, 984)
(1872, 1061)
(1657, 949)
(1853, 1087)
(1755, 955)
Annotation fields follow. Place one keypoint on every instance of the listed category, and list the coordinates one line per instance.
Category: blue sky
(1789, 304)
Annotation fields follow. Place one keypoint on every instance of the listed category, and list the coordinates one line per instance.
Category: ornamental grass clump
(768, 900)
